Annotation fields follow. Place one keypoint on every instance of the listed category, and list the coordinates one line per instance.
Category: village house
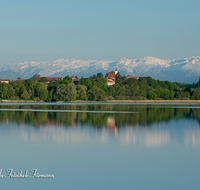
(75, 80)
(5, 80)
(20, 80)
(111, 76)
(111, 79)
(110, 82)
(132, 77)
(51, 79)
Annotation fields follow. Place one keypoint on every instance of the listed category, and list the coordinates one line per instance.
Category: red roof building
(75, 80)
(111, 76)
(21, 80)
(5, 80)
(110, 82)
(51, 79)
(132, 77)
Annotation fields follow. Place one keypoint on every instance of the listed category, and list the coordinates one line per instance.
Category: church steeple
(116, 71)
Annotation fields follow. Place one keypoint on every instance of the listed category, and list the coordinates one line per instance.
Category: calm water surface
(101, 146)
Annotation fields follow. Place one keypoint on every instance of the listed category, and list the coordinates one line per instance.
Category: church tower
(116, 71)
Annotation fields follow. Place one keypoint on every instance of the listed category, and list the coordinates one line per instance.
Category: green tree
(96, 93)
(142, 81)
(66, 92)
(196, 93)
(64, 81)
(86, 82)
(119, 77)
(25, 95)
(151, 82)
(61, 92)
(49, 98)
(11, 92)
(101, 83)
(134, 90)
(131, 81)
(71, 92)
(52, 88)
(94, 77)
(198, 83)
(3, 90)
(34, 77)
(166, 95)
(177, 95)
(111, 91)
(99, 75)
(68, 78)
(81, 92)
(43, 79)
(121, 91)
(41, 91)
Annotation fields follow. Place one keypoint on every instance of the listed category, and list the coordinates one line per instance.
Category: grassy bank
(19, 101)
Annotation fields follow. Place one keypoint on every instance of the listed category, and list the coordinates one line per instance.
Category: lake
(100, 146)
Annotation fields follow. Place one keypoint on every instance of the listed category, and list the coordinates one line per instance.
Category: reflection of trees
(26, 117)
(196, 114)
(146, 116)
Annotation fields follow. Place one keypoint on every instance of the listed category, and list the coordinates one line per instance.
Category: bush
(137, 98)
(110, 98)
(120, 98)
(36, 99)
(14, 98)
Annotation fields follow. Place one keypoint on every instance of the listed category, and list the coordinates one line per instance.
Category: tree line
(95, 88)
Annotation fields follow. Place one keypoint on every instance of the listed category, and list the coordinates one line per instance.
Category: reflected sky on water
(107, 146)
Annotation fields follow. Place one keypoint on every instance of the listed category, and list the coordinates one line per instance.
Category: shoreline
(108, 101)
(140, 101)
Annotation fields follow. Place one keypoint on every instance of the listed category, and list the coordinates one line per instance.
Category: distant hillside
(186, 70)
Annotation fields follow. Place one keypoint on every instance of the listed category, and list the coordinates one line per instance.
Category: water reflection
(146, 138)
(149, 126)
(192, 137)
(98, 116)
(125, 136)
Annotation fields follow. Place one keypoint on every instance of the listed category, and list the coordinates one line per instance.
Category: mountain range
(185, 70)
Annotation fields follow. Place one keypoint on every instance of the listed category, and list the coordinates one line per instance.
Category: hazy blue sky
(44, 30)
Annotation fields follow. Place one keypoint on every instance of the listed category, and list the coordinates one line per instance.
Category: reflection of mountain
(192, 137)
(148, 138)
(145, 137)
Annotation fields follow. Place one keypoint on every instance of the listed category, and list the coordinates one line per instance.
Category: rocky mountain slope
(180, 70)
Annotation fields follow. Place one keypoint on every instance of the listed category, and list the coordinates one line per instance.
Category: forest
(95, 88)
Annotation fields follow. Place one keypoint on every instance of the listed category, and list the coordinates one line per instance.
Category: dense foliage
(95, 88)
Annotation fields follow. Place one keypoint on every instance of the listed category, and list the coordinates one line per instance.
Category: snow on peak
(147, 66)
(156, 61)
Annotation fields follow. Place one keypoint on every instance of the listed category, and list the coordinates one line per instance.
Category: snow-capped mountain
(181, 70)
